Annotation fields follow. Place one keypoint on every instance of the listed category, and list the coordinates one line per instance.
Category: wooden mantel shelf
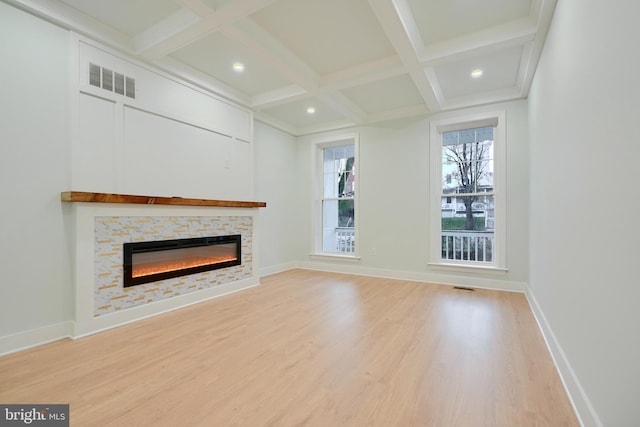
(82, 196)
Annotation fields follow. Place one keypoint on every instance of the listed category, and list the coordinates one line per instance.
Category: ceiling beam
(172, 26)
(223, 17)
(514, 33)
(403, 42)
(279, 96)
(432, 77)
(361, 74)
(543, 14)
(525, 69)
(344, 106)
(279, 58)
(499, 95)
(268, 119)
(409, 25)
(275, 55)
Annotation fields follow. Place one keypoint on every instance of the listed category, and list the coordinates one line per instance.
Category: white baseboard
(69, 329)
(101, 323)
(581, 404)
(35, 337)
(428, 277)
(274, 269)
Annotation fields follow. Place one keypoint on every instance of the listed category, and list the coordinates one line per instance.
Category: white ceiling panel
(500, 71)
(329, 35)
(131, 17)
(356, 61)
(296, 113)
(439, 20)
(389, 94)
(216, 54)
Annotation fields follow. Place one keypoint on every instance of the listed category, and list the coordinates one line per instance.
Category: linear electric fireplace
(146, 262)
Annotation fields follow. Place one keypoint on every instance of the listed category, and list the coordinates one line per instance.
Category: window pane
(330, 186)
(338, 226)
(339, 171)
(467, 160)
(467, 228)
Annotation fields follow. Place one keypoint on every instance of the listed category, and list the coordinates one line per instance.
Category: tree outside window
(467, 169)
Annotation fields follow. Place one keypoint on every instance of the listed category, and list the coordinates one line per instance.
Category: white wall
(276, 175)
(585, 240)
(58, 133)
(393, 186)
(35, 260)
(173, 139)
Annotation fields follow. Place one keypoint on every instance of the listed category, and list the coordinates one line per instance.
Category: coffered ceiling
(354, 61)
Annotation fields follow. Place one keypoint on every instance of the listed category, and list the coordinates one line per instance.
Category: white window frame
(459, 122)
(318, 190)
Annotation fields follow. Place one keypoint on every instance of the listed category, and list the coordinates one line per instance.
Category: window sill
(335, 257)
(468, 268)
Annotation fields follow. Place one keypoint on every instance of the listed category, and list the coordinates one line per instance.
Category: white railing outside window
(468, 245)
(345, 239)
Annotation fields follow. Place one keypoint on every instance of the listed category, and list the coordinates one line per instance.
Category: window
(336, 208)
(467, 192)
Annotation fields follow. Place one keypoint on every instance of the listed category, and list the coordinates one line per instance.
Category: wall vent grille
(112, 81)
(463, 288)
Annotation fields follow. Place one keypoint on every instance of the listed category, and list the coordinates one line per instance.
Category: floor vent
(462, 288)
(112, 81)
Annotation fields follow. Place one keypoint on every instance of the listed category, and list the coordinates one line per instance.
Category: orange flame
(148, 269)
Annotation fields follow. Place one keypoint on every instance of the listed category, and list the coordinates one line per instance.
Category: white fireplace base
(88, 326)
(89, 319)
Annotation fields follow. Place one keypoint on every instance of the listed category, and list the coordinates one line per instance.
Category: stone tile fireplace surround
(104, 222)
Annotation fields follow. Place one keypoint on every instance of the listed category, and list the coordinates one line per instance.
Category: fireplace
(146, 262)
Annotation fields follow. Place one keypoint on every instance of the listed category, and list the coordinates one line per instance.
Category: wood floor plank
(308, 348)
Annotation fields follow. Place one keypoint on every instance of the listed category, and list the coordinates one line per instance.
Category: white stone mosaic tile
(112, 232)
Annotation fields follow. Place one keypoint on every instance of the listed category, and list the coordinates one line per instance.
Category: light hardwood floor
(307, 348)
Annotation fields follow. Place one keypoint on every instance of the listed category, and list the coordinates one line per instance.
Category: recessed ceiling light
(476, 73)
(311, 110)
(238, 66)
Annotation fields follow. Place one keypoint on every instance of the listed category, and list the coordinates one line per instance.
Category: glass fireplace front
(146, 262)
